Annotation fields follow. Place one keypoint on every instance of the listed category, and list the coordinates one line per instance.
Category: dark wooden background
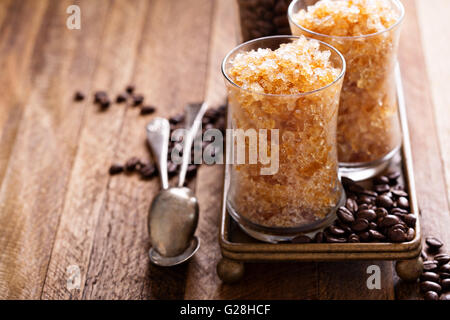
(58, 205)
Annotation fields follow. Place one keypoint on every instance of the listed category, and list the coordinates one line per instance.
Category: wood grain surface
(60, 208)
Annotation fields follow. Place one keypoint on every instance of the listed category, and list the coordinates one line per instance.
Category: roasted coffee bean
(430, 276)
(366, 199)
(367, 214)
(121, 97)
(444, 275)
(399, 193)
(353, 238)
(396, 235)
(138, 99)
(147, 110)
(393, 176)
(79, 96)
(130, 89)
(410, 220)
(445, 297)
(132, 164)
(351, 205)
(147, 171)
(442, 258)
(389, 221)
(381, 180)
(433, 243)
(360, 224)
(115, 169)
(402, 202)
(191, 170)
(301, 239)
(364, 236)
(376, 235)
(319, 237)
(430, 286)
(445, 284)
(398, 211)
(384, 201)
(364, 206)
(430, 265)
(334, 230)
(176, 119)
(345, 215)
(332, 239)
(369, 193)
(410, 234)
(381, 212)
(444, 268)
(382, 188)
(431, 295)
(373, 226)
(99, 96)
(343, 226)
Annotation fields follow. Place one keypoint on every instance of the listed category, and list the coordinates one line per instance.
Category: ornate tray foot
(230, 271)
(409, 270)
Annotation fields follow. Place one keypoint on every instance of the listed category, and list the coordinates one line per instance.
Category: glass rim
(291, 95)
(363, 36)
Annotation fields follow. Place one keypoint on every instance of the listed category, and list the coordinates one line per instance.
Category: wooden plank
(89, 177)
(33, 188)
(433, 19)
(110, 241)
(16, 49)
(428, 166)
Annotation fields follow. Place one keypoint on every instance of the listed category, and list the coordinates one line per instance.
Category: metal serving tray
(238, 248)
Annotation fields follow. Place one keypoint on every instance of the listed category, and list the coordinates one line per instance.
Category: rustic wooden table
(60, 208)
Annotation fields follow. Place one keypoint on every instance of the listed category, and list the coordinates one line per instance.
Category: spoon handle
(191, 133)
(158, 132)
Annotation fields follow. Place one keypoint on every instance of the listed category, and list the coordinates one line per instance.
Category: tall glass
(302, 196)
(368, 125)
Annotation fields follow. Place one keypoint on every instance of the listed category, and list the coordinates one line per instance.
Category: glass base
(358, 171)
(279, 234)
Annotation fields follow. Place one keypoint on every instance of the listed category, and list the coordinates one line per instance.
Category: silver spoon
(173, 214)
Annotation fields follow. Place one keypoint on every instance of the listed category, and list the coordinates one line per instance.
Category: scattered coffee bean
(445, 284)
(319, 237)
(430, 286)
(301, 239)
(360, 224)
(424, 255)
(445, 268)
(100, 96)
(353, 238)
(431, 295)
(445, 296)
(147, 171)
(367, 214)
(384, 201)
(351, 205)
(345, 215)
(442, 258)
(430, 265)
(132, 164)
(115, 169)
(79, 96)
(375, 235)
(389, 221)
(433, 243)
(382, 188)
(138, 99)
(430, 276)
(121, 98)
(444, 275)
(147, 110)
(396, 235)
(129, 89)
(336, 231)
